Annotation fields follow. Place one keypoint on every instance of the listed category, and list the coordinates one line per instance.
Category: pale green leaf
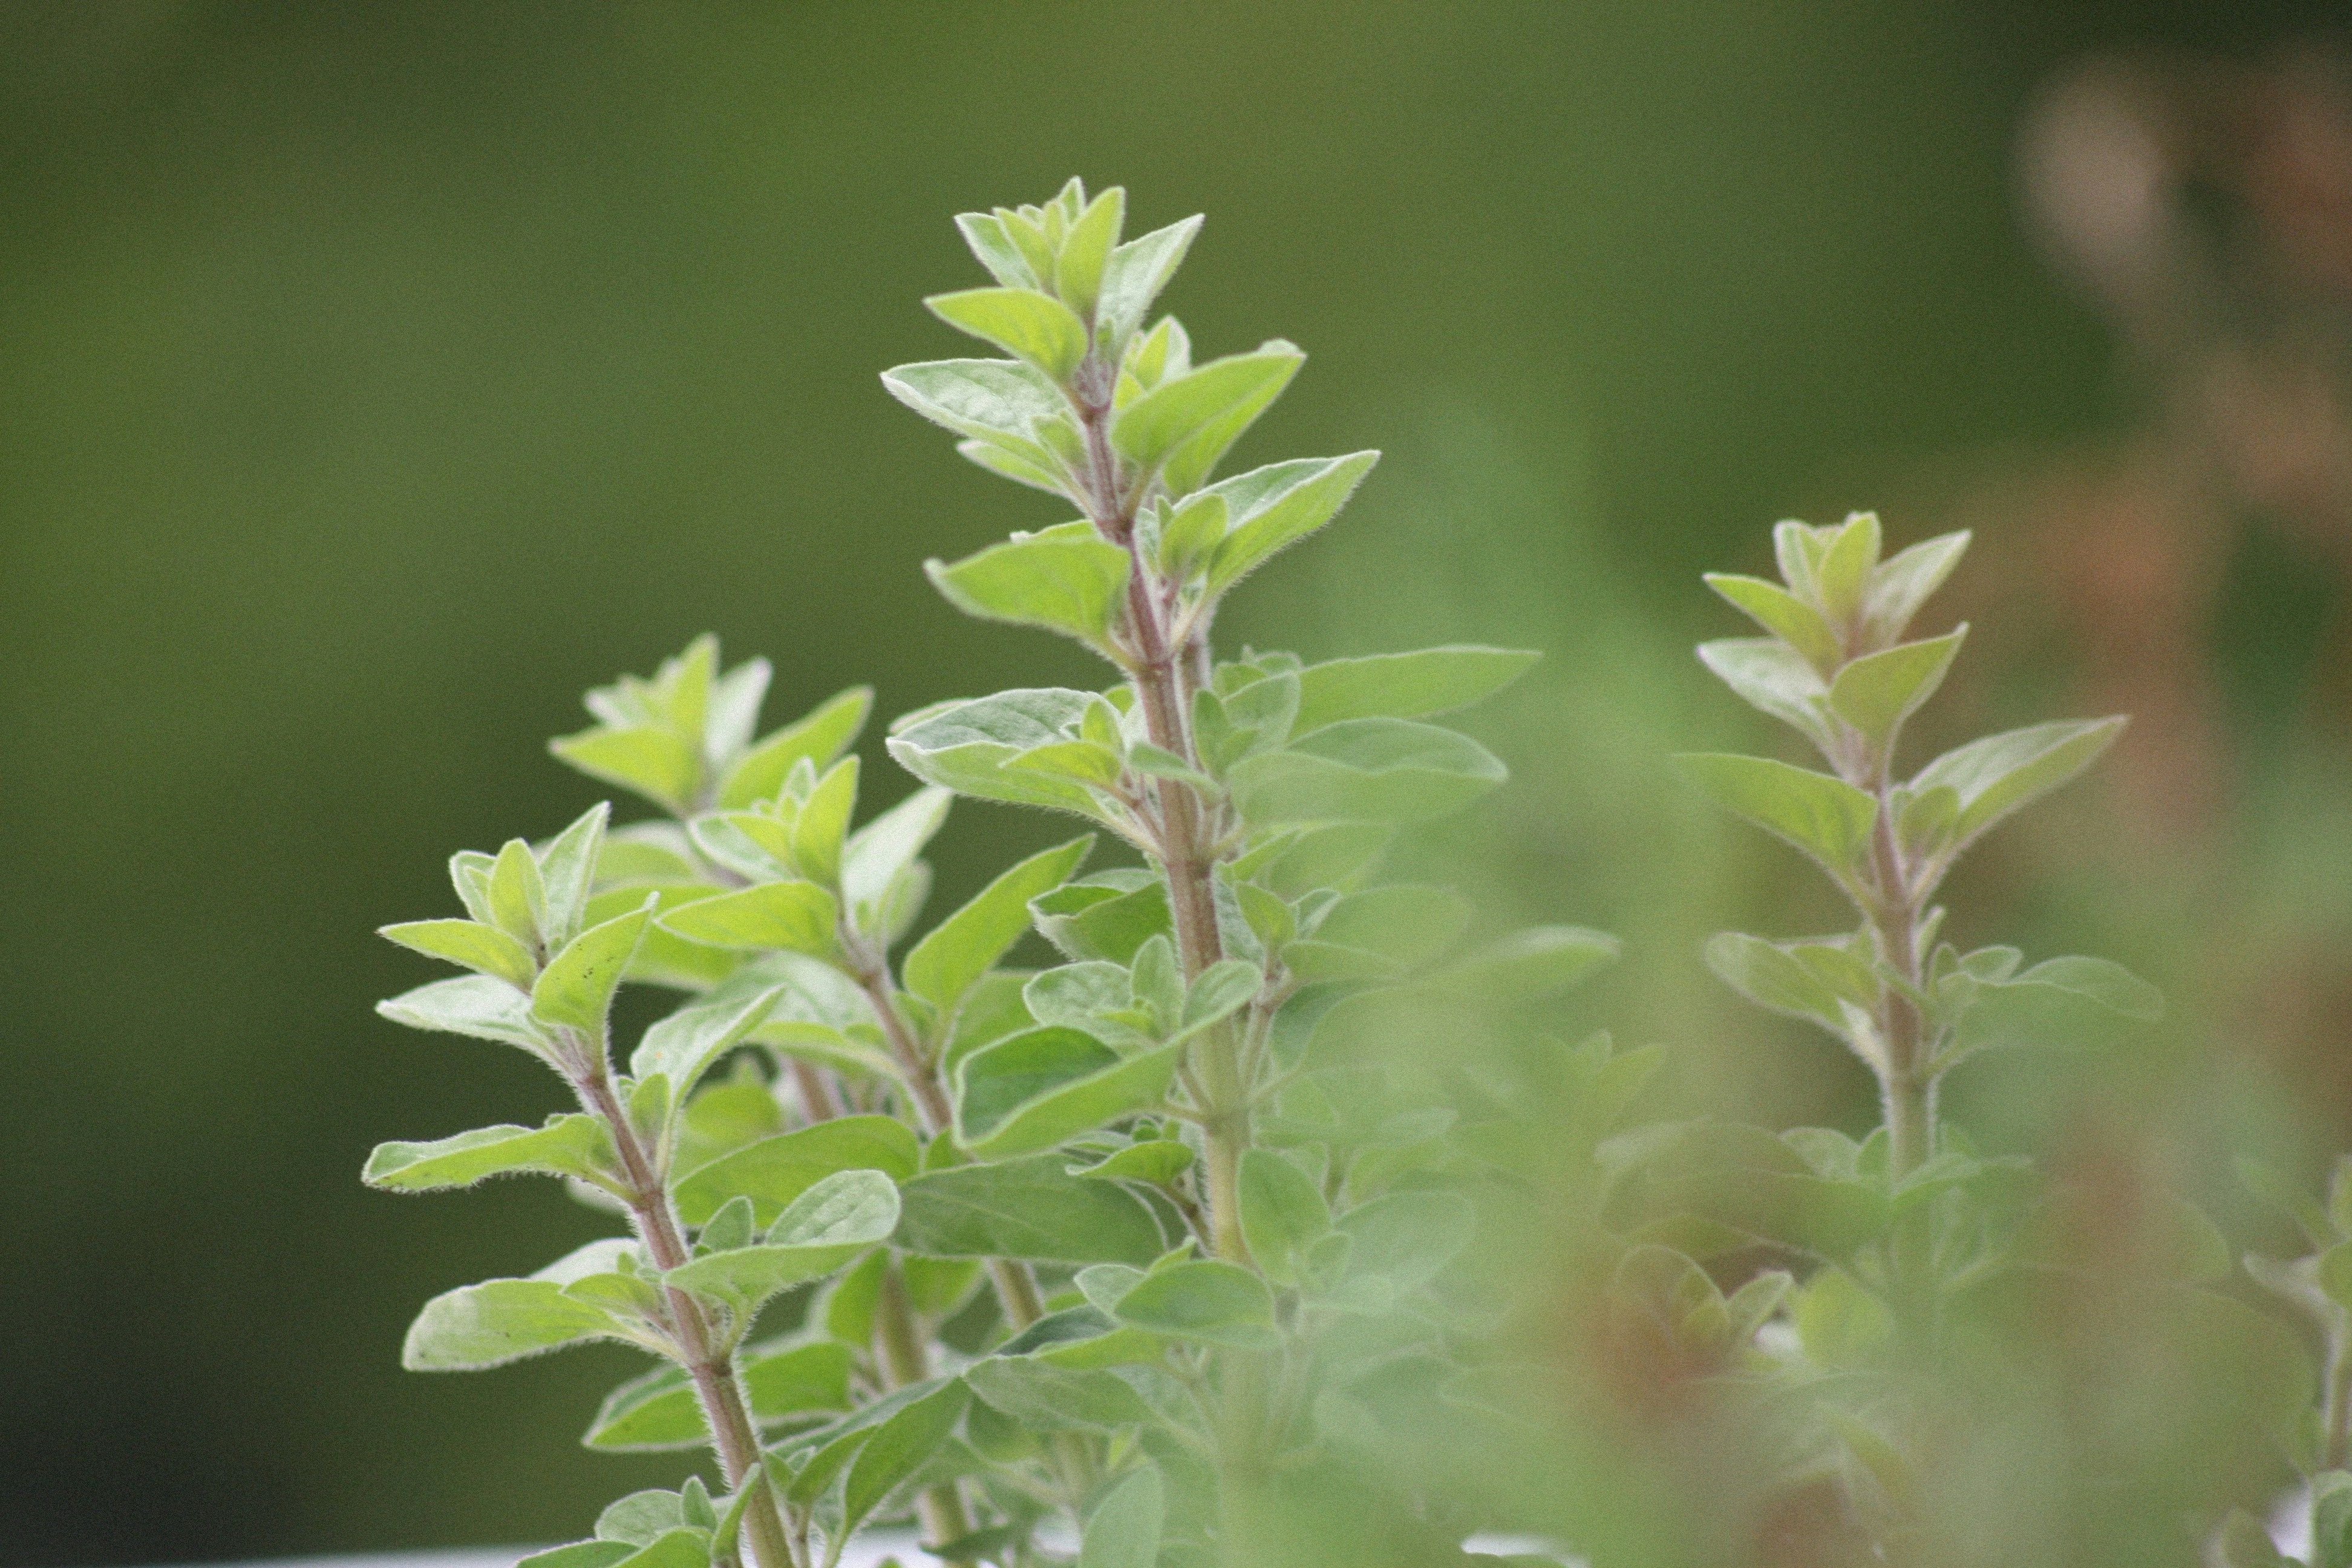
(1773, 678)
(1878, 692)
(576, 987)
(1415, 685)
(1188, 420)
(1124, 1529)
(961, 948)
(898, 1450)
(1136, 273)
(1025, 323)
(473, 1005)
(1826, 817)
(485, 949)
(1028, 1208)
(774, 1172)
(646, 760)
(1042, 1087)
(1364, 770)
(820, 1231)
(1277, 506)
(2000, 773)
(966, 747)
(683, 1046)
(1068, 580)
(1282, 1214)
(1205, 1299)
(575, 1144)
(1783, 615)
(793, 916)
(567, 869)
(819, 737)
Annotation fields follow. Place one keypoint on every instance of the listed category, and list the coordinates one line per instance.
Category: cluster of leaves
(1085, 1248)
(1172, 1249)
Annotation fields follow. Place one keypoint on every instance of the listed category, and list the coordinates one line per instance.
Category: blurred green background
(374, 378)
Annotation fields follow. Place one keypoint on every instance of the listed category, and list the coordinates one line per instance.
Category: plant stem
(1160, 673)
(2336, 1405)
(1909, 1091)
(709, 1361)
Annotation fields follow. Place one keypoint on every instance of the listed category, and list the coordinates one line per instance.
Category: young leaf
(1828, 818)
(644, 759)
(879, 854)
(1124, 1529)
(1783, 615)
(818, 1232)
(966, 747)
(1903, 583)
(569, 1145)
(500, 1320)
(519, 894)
(1205, 1299)
(683, 1046)
(793, 916)
(1136, 274)
(1877, 692)
(1364, 770)
(1277, 506)
(1087, 252)
(1045, 1398)
(1416, 685)
(484, 948)
(823, 825)
(774, 1172)
(1068, 580)
(577, 985)
(898, 1449)
(998, 402)
(819, 737)
(472, 1004)
(567, 869)
(1042, 1087)
(1772, 978)
(967, 944)
(2001, 774)
(1773, 678)
(1028, 1208)
(1282, 1214)
(1183, 424)
(1023, 323)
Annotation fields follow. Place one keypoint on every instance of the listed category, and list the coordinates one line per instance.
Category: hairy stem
(708, 1360)
(1162, 674)
(1908, 1089)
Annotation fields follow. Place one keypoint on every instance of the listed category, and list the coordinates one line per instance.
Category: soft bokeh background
(372, 379)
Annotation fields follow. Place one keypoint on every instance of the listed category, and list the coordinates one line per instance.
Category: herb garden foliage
(1158, 1255)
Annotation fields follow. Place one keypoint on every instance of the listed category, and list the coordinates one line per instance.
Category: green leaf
(484, 948)
(1417, 684)
(898, 1450)
(472, 1004)
(1029, 1208)
(822, 830)
(775, 1172)
(659, 1410)
(575, 1144)
(1108, 916)
(1155, 1161)
(1903, 583)
(966, 747)
(501, 1320)
(683, 1046)
(818, 1232)
(2000, 773)
(1828, 818)
(1043, 1397)
(1774, 979)
(1136, 273)
(1069, 580)
(1124, 1529)
(2096, 980)
(1087, 252)
(1274, 507)
(1840, 1324)
(1876, 693)
(968, 943)
(1282, 1214)
(998, 403)
(518, 894)
(1407, 1239)
(819, 738)
(567, 869)
(580, 1554)
(1783, 615)
(576, 987)
(996, 250)
(1042, 1087)
(1773, 678)
(1205, 1299)
(879, 857)
(793, 917)
(1208, 407)
(644, 759)
(1365, 770)
(1023, 323)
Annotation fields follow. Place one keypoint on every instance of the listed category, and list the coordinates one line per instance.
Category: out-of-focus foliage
(372, 378)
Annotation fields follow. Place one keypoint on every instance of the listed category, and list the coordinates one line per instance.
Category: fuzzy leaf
(683, 1046)
(1124, 1529)
(1878, 692)
(575, 1144)
(1026, 1208)
(793, 917)
(646, 760)
(966, 747)
(1826, 817)
(1282, 1213)
(1365, 770)
(576, 987)
(1023, 323)
(774, 1172)
(1416, 685)
(1206, 1300)
(968, 943)
(1068, 580)
(1042, 1087)
(818, 1232)
(2001, 774)
(819, 737)
(1274, 507)
(472, 1004)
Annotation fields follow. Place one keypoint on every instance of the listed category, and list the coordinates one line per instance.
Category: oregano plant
(1161, 1205)
(1076, 1260)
